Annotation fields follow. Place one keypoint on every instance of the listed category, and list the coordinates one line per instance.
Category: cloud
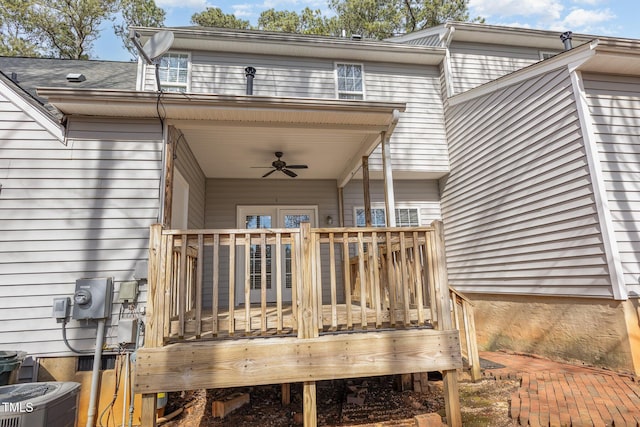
(588, 2)
(186, 4)
(581, 18)
(506, 8)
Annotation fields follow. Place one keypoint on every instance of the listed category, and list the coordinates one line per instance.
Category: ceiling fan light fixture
(281, 166)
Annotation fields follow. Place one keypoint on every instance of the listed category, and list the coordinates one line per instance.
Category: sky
(617, 18)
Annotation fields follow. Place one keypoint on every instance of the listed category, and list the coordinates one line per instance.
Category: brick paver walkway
(555, 394)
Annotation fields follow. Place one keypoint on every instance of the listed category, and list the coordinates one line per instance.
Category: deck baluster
(215, 285)
(332, 268)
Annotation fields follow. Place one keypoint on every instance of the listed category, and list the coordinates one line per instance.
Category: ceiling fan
(281, 166)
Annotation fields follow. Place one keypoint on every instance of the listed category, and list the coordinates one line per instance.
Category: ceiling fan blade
(268, 173)
(297, 167)
(292, 174)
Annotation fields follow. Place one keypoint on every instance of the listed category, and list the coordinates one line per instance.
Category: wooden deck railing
(358, 279)
(462, 307)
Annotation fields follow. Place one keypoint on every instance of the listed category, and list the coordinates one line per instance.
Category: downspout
(448, 74)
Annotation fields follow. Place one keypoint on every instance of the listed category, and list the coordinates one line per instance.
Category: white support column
(389, 196)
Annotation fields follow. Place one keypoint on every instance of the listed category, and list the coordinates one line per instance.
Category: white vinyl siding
(614, 103)
(188, 166)
(418, 143)
(518, 207)
(474, 64)
(422, 195)
(68, 212)
(224, 195)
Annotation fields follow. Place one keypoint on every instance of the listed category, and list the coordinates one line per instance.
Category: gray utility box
(92, 299)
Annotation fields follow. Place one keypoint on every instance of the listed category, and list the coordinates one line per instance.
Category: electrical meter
(92, 298)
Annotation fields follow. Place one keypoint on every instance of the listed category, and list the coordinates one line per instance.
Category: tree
(369, 18)
(214, 17)
(15, 39)
(308, 22)
(137, 13)
(384, 18)
(429, 13)
(68, 28)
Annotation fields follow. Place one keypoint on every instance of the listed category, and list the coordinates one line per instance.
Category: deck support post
(366, 191)
(341, 206)
(445, 323)
(308, 321)
(154, 327)
(169, 157)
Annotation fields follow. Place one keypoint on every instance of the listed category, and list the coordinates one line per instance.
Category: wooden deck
(283, 323)
(364, 301)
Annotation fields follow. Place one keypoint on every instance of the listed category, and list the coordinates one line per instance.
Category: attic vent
(76, 77)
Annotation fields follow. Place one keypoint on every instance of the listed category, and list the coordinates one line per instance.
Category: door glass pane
(291, 221)
(255, 261)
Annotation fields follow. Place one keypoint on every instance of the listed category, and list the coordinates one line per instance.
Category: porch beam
(389, 195)
(353, 166)
(355, 128)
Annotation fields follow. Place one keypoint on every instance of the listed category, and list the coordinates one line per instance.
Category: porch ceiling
(231, 135)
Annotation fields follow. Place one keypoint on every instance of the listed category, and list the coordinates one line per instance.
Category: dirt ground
(347, 403)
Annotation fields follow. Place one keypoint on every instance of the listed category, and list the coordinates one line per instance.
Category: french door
(255, 217)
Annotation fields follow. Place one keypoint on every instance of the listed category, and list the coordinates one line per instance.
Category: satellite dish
(155, 47)
(158, 45)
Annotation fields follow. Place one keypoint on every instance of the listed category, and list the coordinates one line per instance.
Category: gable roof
(30, 105)
(490, 34)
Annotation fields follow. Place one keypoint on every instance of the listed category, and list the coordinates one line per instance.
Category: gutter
(284, 44)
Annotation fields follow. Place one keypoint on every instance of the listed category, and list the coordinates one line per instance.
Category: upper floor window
(350, 81)
(405, 217)
(174, 72)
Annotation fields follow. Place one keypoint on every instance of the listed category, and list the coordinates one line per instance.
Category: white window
(405, 217)
(174, 72)
(350, 81)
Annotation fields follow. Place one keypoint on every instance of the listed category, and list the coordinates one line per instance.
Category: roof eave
(181, 106)
(284, 44)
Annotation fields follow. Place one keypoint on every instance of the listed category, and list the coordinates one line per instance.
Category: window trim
(362, 74)
(187, 85)
(381, 206)
(542, 54)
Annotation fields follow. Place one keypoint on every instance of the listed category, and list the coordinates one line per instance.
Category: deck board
(287, 327)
